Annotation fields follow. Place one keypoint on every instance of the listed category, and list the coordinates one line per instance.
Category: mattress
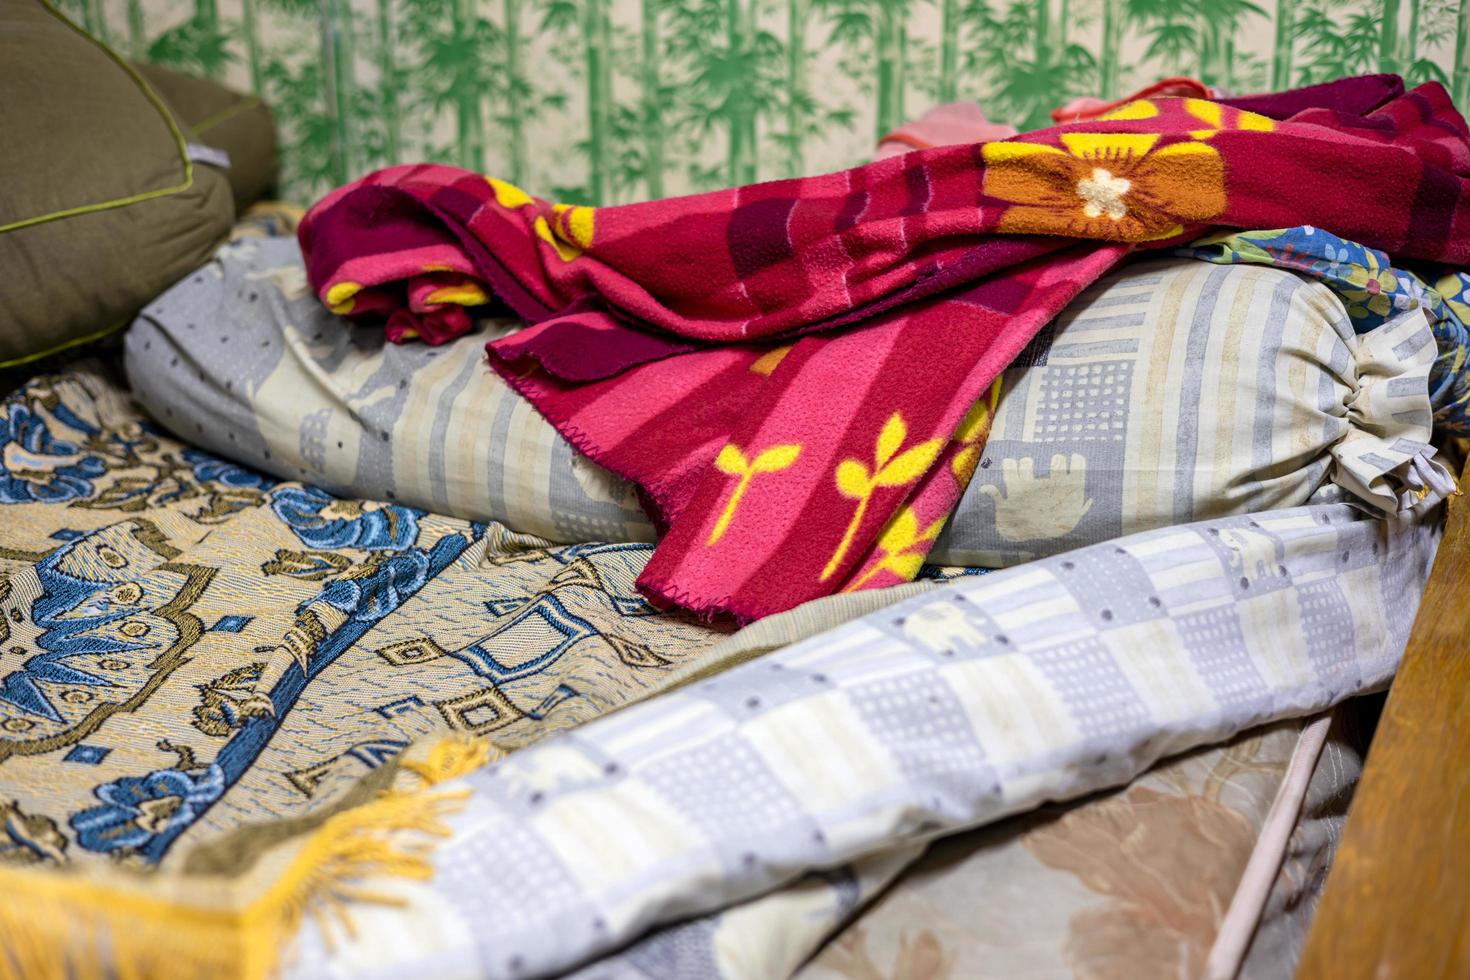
(211, 673)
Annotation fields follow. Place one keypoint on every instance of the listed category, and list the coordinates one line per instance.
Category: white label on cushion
(211, 155)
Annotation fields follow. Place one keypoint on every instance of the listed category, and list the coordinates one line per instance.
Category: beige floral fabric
(1286, 916)
(1130, 884)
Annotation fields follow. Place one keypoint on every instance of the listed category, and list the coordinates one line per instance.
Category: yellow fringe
(56, 924)
(451, 758)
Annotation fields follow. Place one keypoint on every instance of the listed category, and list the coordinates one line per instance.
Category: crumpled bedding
(1137, 882)
(205, 663)
(203, 666)
(692, 345)
(1134, 883)
(954, 708)
(1114, 420)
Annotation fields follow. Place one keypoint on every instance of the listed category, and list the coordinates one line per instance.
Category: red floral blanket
(799, 374)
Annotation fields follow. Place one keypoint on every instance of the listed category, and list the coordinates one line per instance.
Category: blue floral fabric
(323, 521)
(39, 466)
(1373, 290)
(189, 649)
(212, 469)
(379, 587)
(136, 810)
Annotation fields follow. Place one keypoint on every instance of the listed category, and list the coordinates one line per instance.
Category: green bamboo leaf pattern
(600, 101)
(1285, 46)
(1109, 62)
(1388, 39)
(651, 98)
(1462, 54)
(389, 80)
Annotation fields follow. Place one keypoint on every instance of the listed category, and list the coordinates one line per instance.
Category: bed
(142, 542)
(305, 676)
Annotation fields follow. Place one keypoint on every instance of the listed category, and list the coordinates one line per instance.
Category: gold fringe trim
(63, 925)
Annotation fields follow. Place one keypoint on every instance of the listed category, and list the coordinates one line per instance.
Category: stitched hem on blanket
(657, 503)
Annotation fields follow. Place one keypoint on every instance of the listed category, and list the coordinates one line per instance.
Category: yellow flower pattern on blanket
(770, 360)
(508, 195)
(1213, 115)
(904, 548)
(1032, 507)
(342, 297)
(890, 469)
(569, 232)
(732, 461)
(972, 433)
(570, 228)
(1105, 185)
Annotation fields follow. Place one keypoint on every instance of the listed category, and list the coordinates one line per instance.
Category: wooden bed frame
(1397, 901)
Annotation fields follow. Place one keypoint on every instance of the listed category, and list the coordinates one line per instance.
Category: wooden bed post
(1397, 901)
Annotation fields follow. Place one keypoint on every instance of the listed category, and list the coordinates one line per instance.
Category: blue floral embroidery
(323, 521)
(374, 589)
(137, 809)
(83, 623)
(22, 688)
(212, 469)
(36, 466)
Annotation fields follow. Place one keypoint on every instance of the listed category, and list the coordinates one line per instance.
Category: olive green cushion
(100, 207)
(241, 125)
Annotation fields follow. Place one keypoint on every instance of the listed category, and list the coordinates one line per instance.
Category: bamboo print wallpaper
(603, 101)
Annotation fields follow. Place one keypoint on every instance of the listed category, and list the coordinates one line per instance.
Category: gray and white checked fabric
(1136, 409)
(1173, 391)
(766, 938)
(951, 709)
(241, 359)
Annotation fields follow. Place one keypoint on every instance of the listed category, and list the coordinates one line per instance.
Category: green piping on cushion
(74, 342)
(209, 122)
(152, 97)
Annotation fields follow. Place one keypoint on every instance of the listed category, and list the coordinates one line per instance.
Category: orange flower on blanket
(1116, 186)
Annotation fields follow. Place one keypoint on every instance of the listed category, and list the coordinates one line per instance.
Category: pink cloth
(944, 125)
